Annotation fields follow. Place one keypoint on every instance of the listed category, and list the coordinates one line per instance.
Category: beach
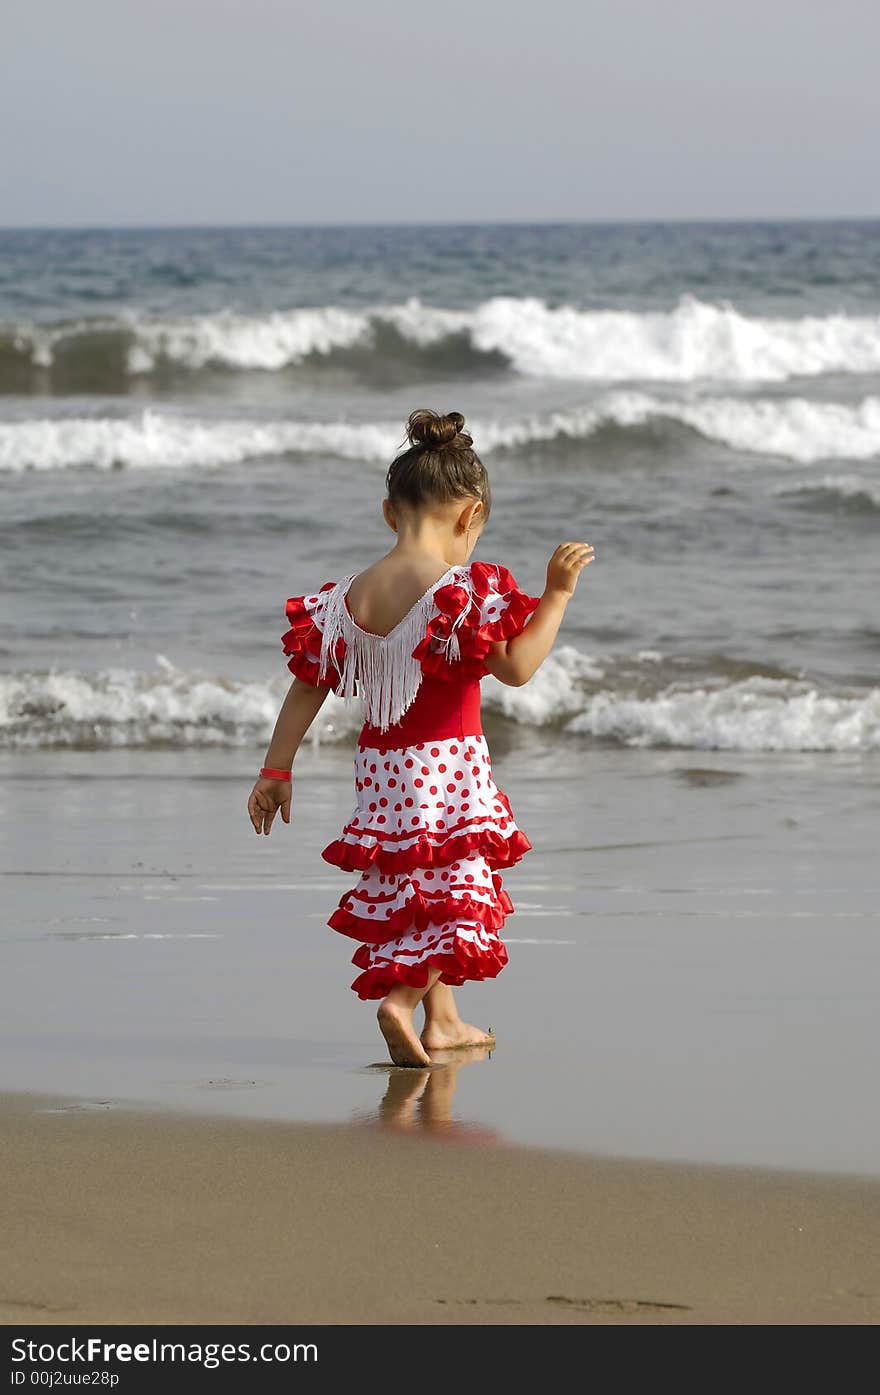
(156, 1217)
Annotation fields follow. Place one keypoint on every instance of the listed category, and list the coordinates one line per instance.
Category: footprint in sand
(227, 1083)
(591, 1305)
(81, 1107)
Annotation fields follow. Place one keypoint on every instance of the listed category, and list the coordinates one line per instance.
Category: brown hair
(440, 464)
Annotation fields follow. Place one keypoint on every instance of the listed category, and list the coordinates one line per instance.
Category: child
(412, 635)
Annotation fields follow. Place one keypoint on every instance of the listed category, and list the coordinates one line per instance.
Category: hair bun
(432, 431)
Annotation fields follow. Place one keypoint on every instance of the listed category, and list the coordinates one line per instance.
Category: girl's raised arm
(513, 661)
(298, 710)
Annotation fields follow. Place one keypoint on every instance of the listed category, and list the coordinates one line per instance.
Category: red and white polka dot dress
(430, 831)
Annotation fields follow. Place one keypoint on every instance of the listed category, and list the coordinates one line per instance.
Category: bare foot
(396, 1026)
(454, 1036)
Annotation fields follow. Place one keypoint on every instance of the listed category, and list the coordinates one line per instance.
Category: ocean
(196, 424)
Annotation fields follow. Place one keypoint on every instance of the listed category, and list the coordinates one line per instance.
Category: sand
(148, 1216)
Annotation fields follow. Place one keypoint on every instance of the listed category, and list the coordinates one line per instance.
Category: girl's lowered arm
(298, 710)
(513, 661)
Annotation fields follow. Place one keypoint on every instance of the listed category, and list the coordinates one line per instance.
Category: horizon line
(678, 220)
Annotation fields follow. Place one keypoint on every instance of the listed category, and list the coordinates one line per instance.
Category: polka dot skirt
(428, 836)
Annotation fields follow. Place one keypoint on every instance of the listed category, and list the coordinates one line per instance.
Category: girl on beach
(412, 636)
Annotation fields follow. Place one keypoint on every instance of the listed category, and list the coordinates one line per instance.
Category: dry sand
(132, 1216)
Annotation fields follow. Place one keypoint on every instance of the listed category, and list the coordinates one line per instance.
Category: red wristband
(269, 774)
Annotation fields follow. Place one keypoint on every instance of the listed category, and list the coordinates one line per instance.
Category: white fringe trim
(380, 668)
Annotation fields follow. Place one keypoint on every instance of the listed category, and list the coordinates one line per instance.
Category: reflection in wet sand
(417, 1100)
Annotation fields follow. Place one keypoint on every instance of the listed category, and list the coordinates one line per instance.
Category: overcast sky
(253, 111)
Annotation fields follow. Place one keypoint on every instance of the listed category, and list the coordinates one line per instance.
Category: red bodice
(443, 707)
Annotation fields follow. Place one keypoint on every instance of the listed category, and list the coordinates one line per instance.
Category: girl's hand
(566, 565)
(267, 797)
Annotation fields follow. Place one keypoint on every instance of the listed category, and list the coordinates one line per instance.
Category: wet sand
(154, 1217)
(694, 957)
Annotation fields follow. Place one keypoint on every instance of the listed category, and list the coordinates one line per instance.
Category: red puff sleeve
(302, 642)
(487, 606)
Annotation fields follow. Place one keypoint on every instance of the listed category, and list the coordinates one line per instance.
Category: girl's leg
(395, 1018)
(443, 1026)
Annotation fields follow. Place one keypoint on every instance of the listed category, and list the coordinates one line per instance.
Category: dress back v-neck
(374, 634)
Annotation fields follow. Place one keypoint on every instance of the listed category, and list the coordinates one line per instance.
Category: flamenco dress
(430, 831)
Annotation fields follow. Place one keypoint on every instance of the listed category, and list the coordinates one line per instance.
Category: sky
(134, 112)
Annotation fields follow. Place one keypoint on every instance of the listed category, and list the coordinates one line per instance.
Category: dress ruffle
(470, 618)
(381, 906)
(499, 851)
(302, 642)
(461, 954)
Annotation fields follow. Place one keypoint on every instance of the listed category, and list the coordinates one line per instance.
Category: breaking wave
(696, 340)
(789, 428)
(627, 700)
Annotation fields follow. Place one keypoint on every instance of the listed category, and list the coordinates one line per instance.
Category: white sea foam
(790, 428)
(554, 694)
(122, 707)
(267, 343)
(695, 340)
(572, 693)
(161, 440)
(756, 714)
